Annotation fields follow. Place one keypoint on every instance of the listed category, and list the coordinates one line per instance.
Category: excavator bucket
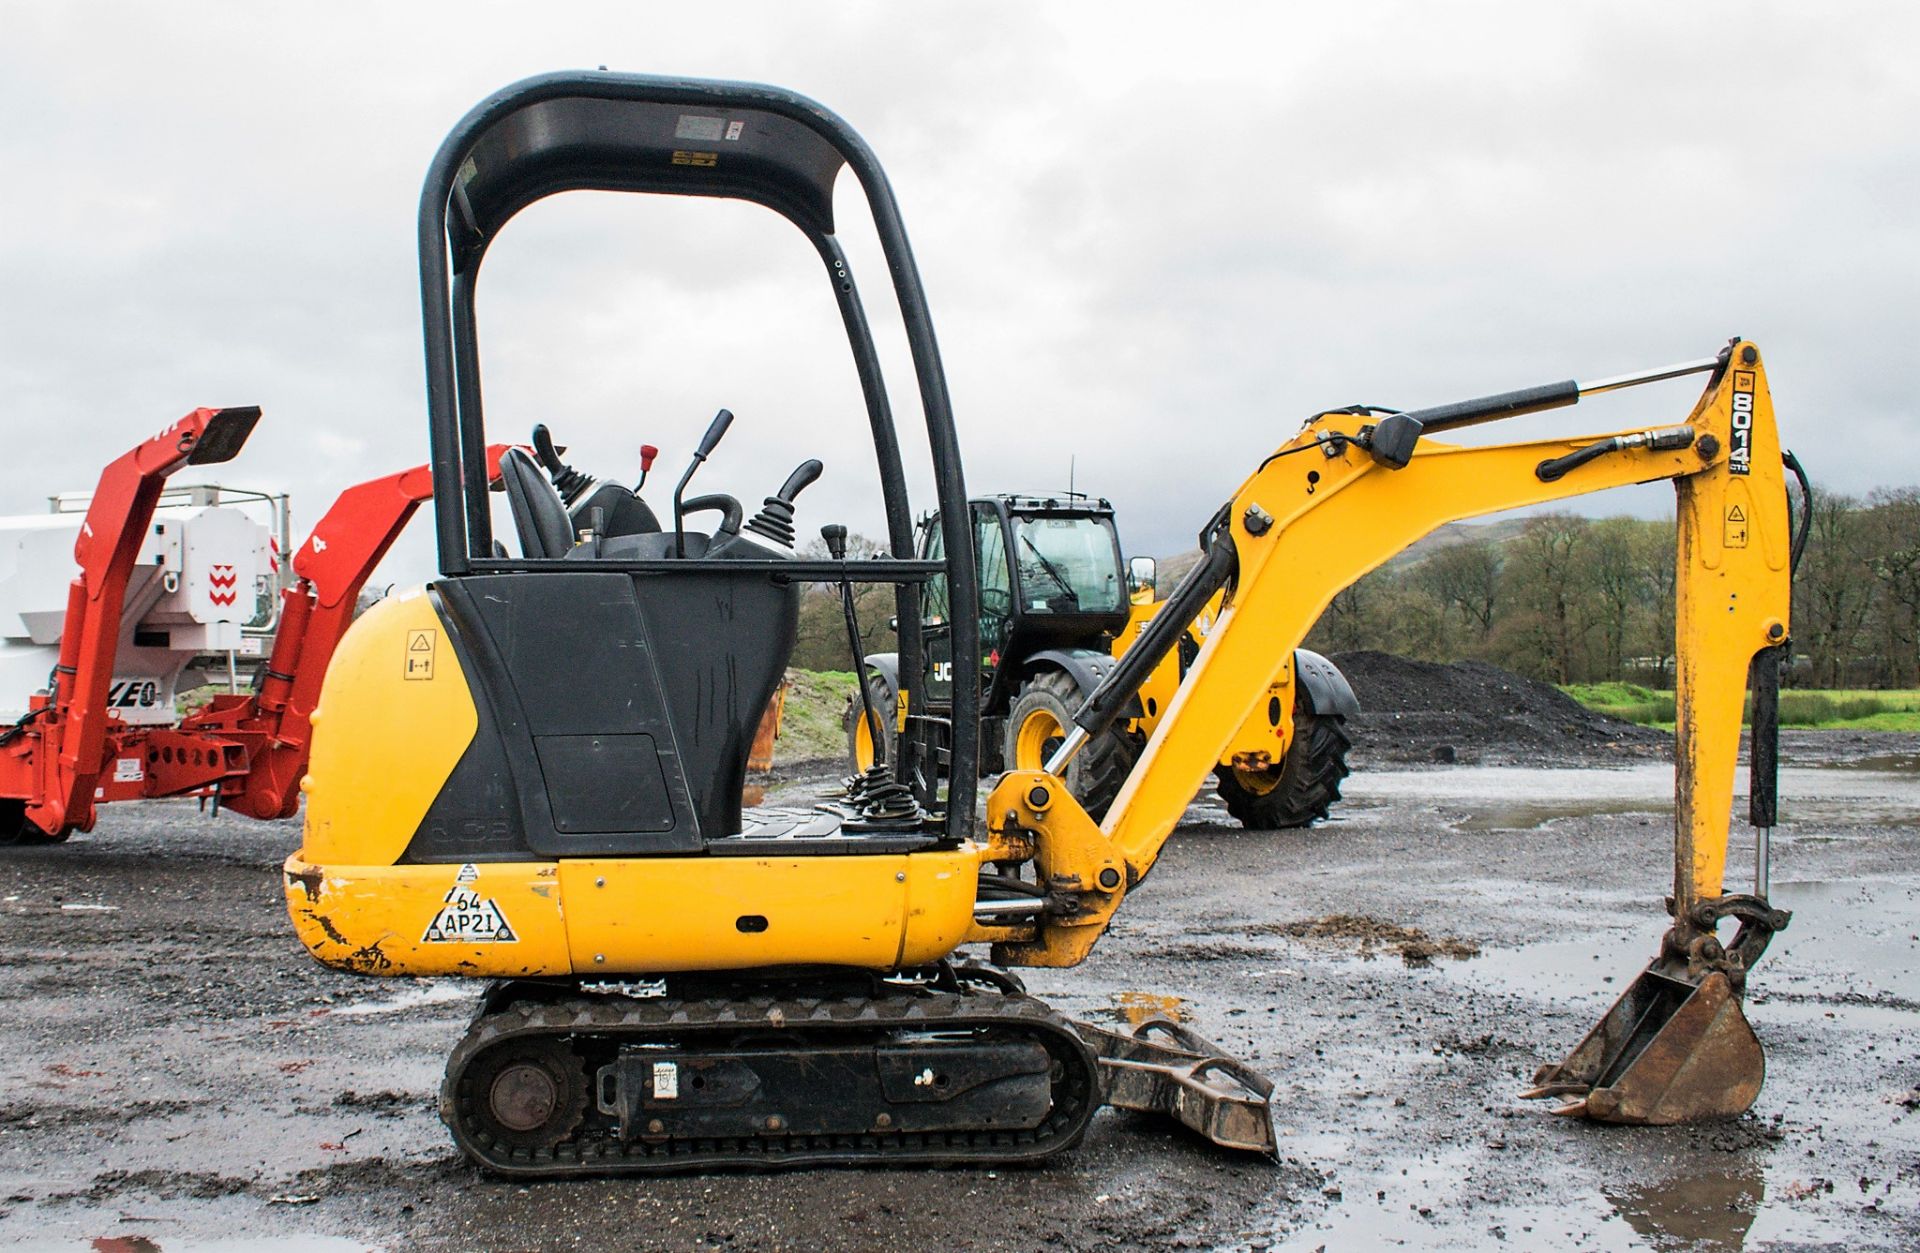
(1163, 1068)
(1669, 1051)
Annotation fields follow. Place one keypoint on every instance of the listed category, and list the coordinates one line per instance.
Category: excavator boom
(1343, 497)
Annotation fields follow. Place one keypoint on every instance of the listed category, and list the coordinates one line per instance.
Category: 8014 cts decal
(1740, 449)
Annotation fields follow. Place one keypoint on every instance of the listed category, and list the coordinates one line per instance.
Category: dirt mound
(1470, 711)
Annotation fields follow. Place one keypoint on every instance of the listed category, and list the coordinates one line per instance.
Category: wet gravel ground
(175, 1073)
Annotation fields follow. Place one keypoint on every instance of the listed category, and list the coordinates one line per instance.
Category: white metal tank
(203, 593)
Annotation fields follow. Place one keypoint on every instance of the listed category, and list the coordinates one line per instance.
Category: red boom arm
(333, 566)
(54, 761)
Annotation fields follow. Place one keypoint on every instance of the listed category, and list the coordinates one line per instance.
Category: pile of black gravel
(1469, 711)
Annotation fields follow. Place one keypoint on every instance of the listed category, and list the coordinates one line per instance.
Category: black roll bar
(586, 130)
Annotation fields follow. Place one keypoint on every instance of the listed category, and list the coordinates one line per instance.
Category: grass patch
(810, 724)
(1628, 702)
(1850, 710)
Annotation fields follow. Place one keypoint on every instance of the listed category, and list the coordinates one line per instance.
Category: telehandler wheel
(1038, 723)
(1300, 790)
(860, 735)
(15, 830)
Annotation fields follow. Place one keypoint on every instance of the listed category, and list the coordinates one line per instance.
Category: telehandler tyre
(860, 735)
(1037, 724)
(1301, 789)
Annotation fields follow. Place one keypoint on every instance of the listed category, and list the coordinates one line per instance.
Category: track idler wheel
(530, 1095)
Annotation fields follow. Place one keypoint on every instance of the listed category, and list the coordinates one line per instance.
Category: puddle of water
(1381, 1210)
(1595, 967)
(1851, 940)
(1854, 937)
(1875, 790)
(1523, 816)
(423, 992)
(1899, 763)
(1137, 1007)
(1708, 1212)
(1415, 1205)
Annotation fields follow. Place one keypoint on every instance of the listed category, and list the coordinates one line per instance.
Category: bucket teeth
(1669, 1051)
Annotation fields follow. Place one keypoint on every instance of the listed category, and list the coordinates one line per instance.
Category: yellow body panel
(375, 920)
(654, 915)
(623, 917)
(394, 718)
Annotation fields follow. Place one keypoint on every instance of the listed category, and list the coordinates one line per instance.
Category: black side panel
(577, 768)
(476, 817)
(616, 711)
(722, 640)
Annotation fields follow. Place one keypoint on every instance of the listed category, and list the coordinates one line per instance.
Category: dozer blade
(1669, 1051)
(1163, 1068)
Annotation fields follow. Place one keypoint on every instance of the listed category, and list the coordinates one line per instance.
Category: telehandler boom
(530, 769)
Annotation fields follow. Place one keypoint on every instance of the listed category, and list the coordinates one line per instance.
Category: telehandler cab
(530, 769)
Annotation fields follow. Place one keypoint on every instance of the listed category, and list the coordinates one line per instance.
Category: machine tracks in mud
(599, 1085)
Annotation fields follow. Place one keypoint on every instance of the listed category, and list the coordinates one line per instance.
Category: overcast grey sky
(1154, 236)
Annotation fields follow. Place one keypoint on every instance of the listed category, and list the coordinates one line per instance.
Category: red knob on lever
(647, 453)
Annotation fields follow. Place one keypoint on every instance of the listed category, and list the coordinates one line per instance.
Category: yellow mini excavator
(529, 770)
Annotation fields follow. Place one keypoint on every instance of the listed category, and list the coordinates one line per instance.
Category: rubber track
(607, 1021)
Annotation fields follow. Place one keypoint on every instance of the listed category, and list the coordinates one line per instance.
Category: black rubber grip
(1504, 405)
(730, 524)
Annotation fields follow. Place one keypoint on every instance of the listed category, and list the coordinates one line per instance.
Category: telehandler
(1058, 608)
(529, 770)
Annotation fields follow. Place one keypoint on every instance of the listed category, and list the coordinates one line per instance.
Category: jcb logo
(943, 672)
(133, 694)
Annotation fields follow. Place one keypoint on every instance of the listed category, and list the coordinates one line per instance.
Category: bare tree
(1894, 520)
(1656, 551)
(1551, 590)
(1465, 577)
(1833, 592)
(1618, 576)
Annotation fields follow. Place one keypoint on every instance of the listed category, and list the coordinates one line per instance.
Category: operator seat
(538, 515)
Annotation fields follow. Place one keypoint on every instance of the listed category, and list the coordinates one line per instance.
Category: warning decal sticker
(1736, 535)
(466, 917)
(420, 649)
